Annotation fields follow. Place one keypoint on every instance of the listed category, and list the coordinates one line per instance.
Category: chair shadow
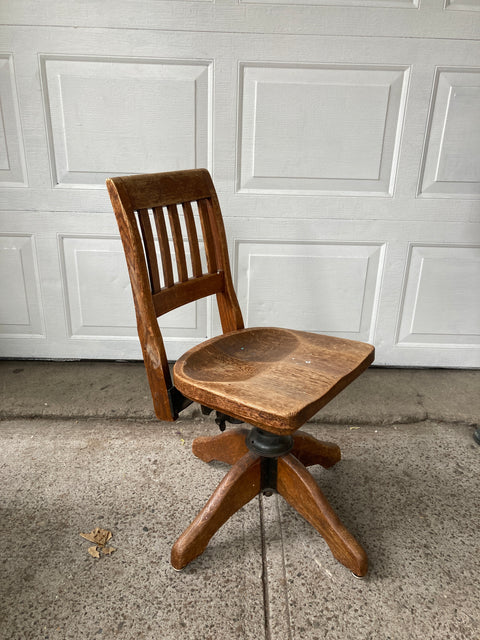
(397, 516)
(396, 512)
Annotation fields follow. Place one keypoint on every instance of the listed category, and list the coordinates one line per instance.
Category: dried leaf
(98, 536)
(93, 551)
(107, 551)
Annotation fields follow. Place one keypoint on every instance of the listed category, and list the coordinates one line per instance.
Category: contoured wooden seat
(274, 379)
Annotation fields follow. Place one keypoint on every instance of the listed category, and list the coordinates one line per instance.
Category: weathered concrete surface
(120, 390)
(58, 479)
(408, 492)
(80, 448)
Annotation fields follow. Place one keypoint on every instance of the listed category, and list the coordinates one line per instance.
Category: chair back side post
(228, 307)
(153, 348)
(132, 198)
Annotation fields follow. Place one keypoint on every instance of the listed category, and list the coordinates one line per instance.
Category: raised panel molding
(462, 5)
(451, 158)
(106, 310)
(320, 129)
(12, 158)
(440, 305)
(388, 4)
(312, 286)
(21, 311)
(122, 116)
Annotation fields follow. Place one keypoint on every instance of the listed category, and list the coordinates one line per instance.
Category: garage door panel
(462, 5)
(390, 247)
(324, 149)
(12, 158)
(313, 286)
(162, 117)
(21, 309)
(405, 4)
(98, 296)
(440, 297)
(223, 118)
(320, 129)
(451, 165)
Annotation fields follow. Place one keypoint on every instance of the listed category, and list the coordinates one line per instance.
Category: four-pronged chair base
(253, 473)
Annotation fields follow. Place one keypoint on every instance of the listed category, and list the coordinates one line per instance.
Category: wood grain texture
(192, 239)
(207, 233)
(185, 292)
(272, 378)
(227, 447)
(129, 194)
(178, 242)
(230, 446)
(150, 253)
(238, 487)
(153, 349)
(309, 451)
(228, 307)
(161, 189)
(299, 489)
(164, 246)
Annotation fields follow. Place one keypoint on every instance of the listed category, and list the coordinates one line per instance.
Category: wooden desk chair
(274, 379)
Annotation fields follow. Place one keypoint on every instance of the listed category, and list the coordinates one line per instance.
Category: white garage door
(343, 137)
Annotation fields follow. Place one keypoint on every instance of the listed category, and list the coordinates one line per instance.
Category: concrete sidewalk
(79, 448)
(113, 390)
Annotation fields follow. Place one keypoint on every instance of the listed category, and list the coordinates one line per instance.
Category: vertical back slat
(164, 246)
(207, 235)
(178, 242)
(150, 253)
(192, 239)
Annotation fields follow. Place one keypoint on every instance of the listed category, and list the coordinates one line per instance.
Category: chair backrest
(137, 201)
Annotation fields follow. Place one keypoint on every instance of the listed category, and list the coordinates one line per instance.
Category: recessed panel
(122, 117)
(326, 288)
(20, 312)
(441, 298)
(306, 149)
(320, 129)
(343, 3)
(99, 299)
(451, 164)
(12, 162)
(463, 5)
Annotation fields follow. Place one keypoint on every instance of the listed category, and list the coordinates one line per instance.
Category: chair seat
(272, 378)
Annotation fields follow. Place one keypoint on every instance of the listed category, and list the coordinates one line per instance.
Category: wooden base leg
(241, 484)
(311, 451)
(300, 490)
(226, 447)
(230, 446)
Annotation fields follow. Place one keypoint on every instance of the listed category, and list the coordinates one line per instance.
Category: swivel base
(252, 473)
